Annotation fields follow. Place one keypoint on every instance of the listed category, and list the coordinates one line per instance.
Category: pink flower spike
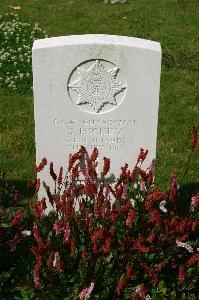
(67, 232)
(56, 259)
(142, 186)
(184, 245)
(124, 193)
(194, 202)
(85, 293)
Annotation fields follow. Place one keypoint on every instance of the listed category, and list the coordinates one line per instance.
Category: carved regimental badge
(96, 86)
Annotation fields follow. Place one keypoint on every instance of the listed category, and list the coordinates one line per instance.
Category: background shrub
(16, 40)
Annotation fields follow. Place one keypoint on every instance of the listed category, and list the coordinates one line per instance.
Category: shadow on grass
(184, 198)
(22, 186)
(16, 193)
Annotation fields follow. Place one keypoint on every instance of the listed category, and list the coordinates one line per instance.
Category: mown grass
(174, 23)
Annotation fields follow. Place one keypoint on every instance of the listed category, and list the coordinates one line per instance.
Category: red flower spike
(112, 231)
(91, 190)
(113, 216)
(151, 238)
(79, 191)
(52, 173)
(94, 154)
(106, 248)
(118, 191)
(37, 185)
(39, 251)
(124, 192)
(153, 198)
(41, 248)
(129, 272)
(50, 260)
(74, 157)
(87, 217)
(140, 293)
(75, 172)
(142, 173)
(138, 245)
(38, 209)
(41, 165)
(36, 234)
(85, 255)
(193, 260)
(150, 175)
(13, 243)
(133, 174)
(131, 218)
(67, 192)
(112, 191)
(72, 246)
(120, 286)
(126, 207)
(194, 202)
(161, 265)
(58, 202)
(142, 155)
(106, 167)
(66, 232)
(36, 272)
(59, 266)
(50, 196)
(60, 176)
(18, 218)
(96, 210)
(124, 175)
(181, 274)
(68, 209)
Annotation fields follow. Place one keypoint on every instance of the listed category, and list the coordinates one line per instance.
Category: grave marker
(97, 91)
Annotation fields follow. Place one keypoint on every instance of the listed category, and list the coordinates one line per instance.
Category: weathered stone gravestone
(97, 91)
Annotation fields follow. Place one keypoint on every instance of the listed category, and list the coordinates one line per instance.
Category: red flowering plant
(111, 240)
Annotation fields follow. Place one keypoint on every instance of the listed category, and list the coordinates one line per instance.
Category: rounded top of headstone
(97, 39)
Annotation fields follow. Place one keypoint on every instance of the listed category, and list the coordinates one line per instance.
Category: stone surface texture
(98, 91)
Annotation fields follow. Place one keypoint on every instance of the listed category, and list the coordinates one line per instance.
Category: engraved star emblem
(97, 86)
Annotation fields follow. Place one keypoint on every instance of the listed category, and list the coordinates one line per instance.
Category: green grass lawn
(174, 23)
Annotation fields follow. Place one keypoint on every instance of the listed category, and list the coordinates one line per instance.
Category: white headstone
(97, 91)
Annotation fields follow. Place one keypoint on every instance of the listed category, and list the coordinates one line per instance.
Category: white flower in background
(162, 206)
(109, 258)
(15, 49)
(114, 1)
(26, 233)
(138, 291)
